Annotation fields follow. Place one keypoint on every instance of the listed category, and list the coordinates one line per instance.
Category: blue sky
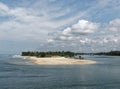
(46, 25)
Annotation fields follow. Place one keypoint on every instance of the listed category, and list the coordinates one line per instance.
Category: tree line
(111, 53)
(49, 54)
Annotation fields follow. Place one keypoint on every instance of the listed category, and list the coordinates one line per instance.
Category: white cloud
(66, 31)
(114, 26)
(50, 40)
(83, 27)
(3, 7)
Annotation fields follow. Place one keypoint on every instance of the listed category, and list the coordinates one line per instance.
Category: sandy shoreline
(57, 61)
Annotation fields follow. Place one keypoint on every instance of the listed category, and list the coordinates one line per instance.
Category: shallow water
(14, 74)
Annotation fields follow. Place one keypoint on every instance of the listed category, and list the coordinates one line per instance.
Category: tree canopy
(49, 54)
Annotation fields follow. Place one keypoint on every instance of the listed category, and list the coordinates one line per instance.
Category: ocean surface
(17, 73)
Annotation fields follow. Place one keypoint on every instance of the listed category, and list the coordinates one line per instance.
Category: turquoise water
(14, 74)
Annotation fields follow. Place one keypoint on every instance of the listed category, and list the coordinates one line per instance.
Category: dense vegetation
(111, 53)
(67, 54)
(48, 54)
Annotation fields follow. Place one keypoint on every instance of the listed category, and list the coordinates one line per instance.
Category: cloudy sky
(52, 25)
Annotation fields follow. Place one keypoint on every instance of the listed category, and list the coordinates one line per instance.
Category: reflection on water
(103, 75)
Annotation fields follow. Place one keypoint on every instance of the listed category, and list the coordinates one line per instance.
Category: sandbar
(58, 61)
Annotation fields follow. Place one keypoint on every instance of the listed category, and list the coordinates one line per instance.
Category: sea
(18, 73)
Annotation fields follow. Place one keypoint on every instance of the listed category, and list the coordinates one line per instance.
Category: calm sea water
(14, 74)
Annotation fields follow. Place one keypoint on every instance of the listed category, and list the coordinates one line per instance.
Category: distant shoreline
(57, 60)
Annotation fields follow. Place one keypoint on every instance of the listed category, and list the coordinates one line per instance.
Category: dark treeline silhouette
(49, 54)
(67, 53)
(111, 53)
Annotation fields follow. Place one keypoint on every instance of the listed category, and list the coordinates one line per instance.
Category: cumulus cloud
(78, 30)
(83, 27)
(114, 26)
(50, 40)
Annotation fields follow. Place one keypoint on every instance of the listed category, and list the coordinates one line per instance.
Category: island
(55, 58)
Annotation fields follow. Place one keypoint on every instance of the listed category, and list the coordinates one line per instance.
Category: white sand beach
(58, 61)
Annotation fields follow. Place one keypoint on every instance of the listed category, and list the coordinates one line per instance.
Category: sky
(59, 25)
